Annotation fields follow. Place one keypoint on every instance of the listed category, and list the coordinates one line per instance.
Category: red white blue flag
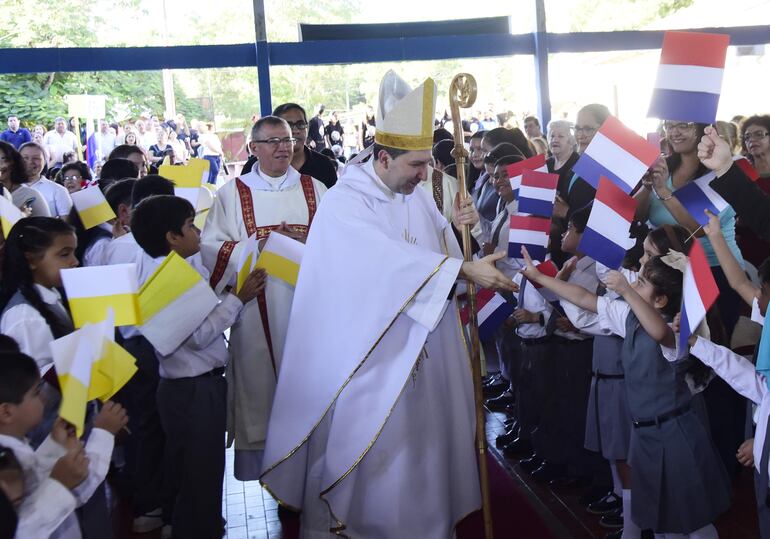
(537, 193)
(696, 196)
(617, 153)
(530, 232)
(699, 292)
(492, 309)
(689, 79)
(606, 237)
(516, 170)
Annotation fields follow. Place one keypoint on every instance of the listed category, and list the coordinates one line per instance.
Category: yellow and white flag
(113, 366)
(173, 303)
(90, 365)
(73, 357)
(92, 207)
(188, 178)
(93, 290)
(9, 215)
(247, 261)
(281, 257)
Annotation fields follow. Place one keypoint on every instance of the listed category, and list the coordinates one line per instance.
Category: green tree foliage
(39, 98)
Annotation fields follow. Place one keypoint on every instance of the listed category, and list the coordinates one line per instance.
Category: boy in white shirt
(61, 474)
(192, 393)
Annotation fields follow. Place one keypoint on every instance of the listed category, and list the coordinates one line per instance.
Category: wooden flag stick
(462, 94)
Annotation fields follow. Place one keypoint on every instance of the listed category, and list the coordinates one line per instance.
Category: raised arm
(649, 318)
(735, 275)
(571, 292)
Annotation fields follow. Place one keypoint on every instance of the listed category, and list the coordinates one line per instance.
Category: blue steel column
(263, 73)
(263, 58)
(541, 65)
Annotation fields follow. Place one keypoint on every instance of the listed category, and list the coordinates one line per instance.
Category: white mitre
(405, 116)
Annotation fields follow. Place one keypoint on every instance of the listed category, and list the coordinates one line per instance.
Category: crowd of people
(587, 369)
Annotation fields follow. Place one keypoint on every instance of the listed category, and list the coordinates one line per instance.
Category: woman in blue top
(726, 409)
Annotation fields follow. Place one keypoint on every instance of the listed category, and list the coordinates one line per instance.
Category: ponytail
(31, 236)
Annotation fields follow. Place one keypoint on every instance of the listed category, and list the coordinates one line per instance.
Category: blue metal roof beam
(45, 60)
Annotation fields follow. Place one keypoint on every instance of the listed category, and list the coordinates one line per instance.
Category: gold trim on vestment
(345, 383)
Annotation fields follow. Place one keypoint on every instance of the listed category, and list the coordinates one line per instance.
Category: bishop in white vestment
(379, 443)
(257, 203)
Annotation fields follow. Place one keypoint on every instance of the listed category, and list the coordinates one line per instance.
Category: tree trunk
(48, 82)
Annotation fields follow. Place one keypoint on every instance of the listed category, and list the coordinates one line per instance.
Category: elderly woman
(74, 176)
(562, 143)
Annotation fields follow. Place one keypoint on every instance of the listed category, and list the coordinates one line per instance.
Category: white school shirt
(584, 276)
(205, 349)
(743, 378)
(94, 255)
(612, 314)
(24, 324)
(56, 196)
(534, 303)
(37, 466)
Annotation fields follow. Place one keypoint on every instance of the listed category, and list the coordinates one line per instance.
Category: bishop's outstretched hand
(484, 273)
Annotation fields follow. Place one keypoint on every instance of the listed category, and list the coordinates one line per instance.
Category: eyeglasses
(72, 178)
(754, 135)
(299, 124)
(678, 126)
(275, 142)
(585, 129)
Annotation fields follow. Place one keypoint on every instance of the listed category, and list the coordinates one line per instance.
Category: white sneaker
(150, 521)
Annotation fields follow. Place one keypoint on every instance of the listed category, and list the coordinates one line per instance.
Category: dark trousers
(564, 421)
(763, 511)
(144, 447)
(193, 412)
(216, 162)
(532, 392)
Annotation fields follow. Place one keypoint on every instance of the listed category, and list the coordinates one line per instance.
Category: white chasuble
(242, 207)
(372, 429)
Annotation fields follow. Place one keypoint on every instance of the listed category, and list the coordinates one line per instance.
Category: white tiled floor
(250, 511)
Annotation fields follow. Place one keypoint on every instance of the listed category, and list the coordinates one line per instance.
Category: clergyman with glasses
(272, 197)
(305, 160)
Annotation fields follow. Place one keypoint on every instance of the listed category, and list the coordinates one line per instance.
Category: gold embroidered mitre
(405, 116)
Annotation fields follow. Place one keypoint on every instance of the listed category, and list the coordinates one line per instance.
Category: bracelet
(655, 192)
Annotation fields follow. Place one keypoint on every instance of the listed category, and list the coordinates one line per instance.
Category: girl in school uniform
(608, 418)
(680, 485)
(33, 313)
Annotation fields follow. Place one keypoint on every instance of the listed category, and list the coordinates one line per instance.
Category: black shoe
(531, 464)
(518, 448)
(491, 379)
(611, 502)
(498, 404)
(508, 437)
(612, 520)
(548, 472)
(614, 535)
(495, 389)
(593, 494)
(509, 421)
